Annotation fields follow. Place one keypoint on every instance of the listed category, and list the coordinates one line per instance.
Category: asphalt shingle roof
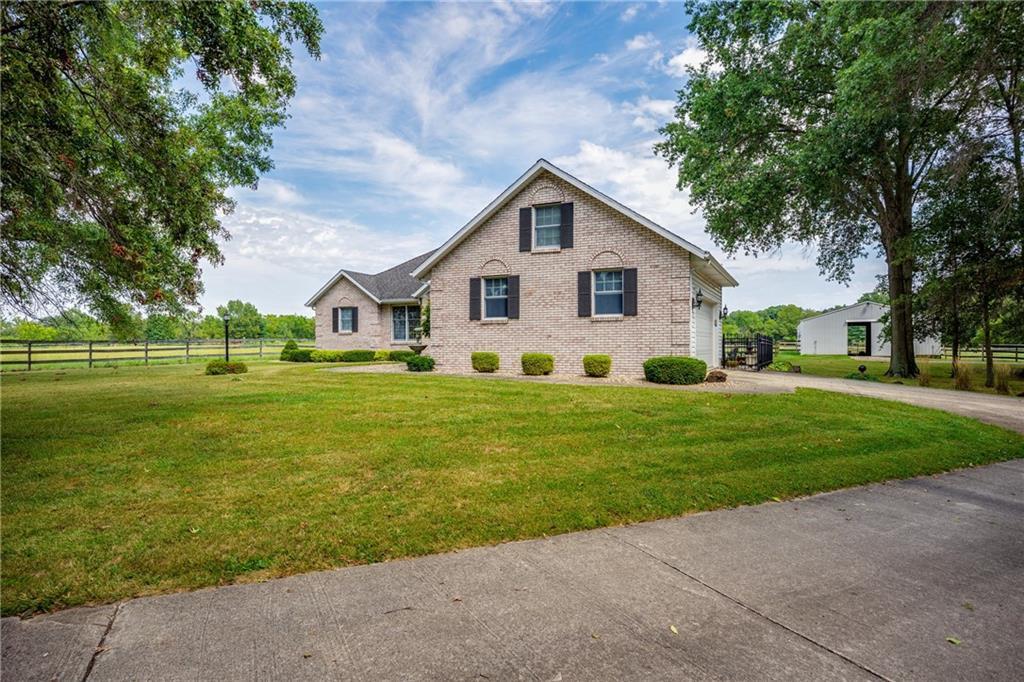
(393, 283)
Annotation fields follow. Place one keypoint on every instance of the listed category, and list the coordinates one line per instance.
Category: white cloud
(643, 41)
(691, 56)
(270, 191)
(649, 114)
(629, 14)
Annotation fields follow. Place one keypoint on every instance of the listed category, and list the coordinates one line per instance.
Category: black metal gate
(747, 352)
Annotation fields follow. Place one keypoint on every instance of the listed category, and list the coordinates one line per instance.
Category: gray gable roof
(393, 284)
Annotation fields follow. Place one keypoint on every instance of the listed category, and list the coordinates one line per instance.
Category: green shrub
(420, 363)
(962, 379)
(289, 347)
(325, 356)
(300, 355)
(218, 367)
(675, 369)
(597, 365)
(401, 355)
(381, 355)
(536, 364)
(485, 362)
(780, 366)
(357, 356)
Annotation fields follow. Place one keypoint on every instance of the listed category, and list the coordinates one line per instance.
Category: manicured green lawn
(938, 370)
(139, 480)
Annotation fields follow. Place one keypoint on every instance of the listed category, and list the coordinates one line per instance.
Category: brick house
(551, 265)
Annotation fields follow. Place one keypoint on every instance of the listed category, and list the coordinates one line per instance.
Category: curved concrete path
(916, 579)
(1005, 411)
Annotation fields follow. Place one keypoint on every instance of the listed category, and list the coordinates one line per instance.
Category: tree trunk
(956, 335)
(901, 359)
(986, 327)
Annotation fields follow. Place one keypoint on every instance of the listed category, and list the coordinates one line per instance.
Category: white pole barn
(830, 333)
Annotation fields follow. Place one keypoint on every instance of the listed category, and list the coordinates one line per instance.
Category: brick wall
(548, 322)
(371, 328)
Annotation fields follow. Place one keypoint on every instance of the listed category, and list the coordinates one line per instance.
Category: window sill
(546, 249)
(607, 318)
(494, 320)
(345, 333)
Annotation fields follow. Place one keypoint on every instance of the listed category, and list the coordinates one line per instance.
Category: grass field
(938, 370)
(121, 482)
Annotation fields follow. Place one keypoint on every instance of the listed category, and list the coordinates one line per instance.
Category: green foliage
(781, 366)
(26, 330)
(821, 122)
(675, 369)
(161, 327)
(289, 347)
(357, 356)
(381, 355)
(597, 365)
(536, 364)
(425, 320)
(288, 326)
(218, 366)
(298, 355)
(778, 321)
(114, 172)
(400, 355)
(326, 355)
(246, 321)
(485, 362)
(420, 363)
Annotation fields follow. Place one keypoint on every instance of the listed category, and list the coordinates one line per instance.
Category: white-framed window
(547, 226)
(404, 321)
(608, 292)
(345, 319)
(495, 297)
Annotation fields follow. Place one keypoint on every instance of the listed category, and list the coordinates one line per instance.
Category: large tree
(820, 122)
(124, 122)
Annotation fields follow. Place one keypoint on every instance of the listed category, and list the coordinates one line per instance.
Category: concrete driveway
(919, 579)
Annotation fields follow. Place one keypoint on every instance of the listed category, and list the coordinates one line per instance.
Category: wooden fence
(1003, 352)
(16, 354)
(787, 346)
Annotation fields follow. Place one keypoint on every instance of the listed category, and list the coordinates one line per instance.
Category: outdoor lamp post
(226, 318)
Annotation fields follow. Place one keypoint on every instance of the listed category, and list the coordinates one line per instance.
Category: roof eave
(334, 280)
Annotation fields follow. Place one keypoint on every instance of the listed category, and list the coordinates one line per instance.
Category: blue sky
(419, 114)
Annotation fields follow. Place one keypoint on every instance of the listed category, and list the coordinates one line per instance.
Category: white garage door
(704, 317)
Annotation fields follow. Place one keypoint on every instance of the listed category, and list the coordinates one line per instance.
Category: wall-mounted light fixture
(698, 299)
(723, 313)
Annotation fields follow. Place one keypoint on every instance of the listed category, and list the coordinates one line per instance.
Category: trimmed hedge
(325, 356)
(675, 369)
(289, 347)
(218, 367)
(597, 365)
(485, 362)
(420, 363)
(381, 355)
(299, 355)
(536, 364)
(357, 356)
(401, 355)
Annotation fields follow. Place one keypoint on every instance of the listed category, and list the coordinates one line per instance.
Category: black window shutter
(334, 320)
(355, 319)
(629, 291)
(566, 233)
(474, 298)
(583, 293)
(525, 229)
(513, 297)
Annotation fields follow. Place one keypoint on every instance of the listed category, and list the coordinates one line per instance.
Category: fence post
(145, 351)
(186, 351)
(30, 356)
(261, 348)
(90, 355)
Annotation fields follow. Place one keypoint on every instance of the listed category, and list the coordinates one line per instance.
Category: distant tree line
(962, 326)
(246, 322)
